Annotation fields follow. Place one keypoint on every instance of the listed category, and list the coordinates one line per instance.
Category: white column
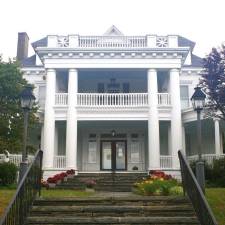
(71, 127)
(42, 137)
(217, 137)
(153, 122)
(183, 140)
(49, 119)
(176, 123)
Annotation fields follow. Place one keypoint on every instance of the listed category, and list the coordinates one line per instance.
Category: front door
(113, 155)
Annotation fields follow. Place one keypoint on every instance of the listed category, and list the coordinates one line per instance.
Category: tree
(213, 82)
(11, 114)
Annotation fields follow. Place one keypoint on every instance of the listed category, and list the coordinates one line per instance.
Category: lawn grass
(6, 194)
(5, 197)
(216, 200)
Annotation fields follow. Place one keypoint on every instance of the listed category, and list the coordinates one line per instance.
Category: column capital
(174, 70)
(50, 70)
(72, 70)
(216, 119)
(152, 70)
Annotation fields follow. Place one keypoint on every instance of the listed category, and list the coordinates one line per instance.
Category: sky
(202, 21)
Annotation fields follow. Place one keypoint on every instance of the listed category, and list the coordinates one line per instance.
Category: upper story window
(126, 87)
(184, 96)
(101, 88)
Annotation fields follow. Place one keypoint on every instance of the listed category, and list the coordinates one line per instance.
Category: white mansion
(116, 102)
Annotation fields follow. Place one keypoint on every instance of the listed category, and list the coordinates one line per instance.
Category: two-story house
(116, 102)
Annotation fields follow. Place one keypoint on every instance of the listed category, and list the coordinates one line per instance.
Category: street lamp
(27, 100)
(198, 103)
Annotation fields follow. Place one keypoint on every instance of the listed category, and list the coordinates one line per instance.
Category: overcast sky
(202, 21)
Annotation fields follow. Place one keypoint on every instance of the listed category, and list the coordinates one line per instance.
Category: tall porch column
(217, 137)
(176, 123)
(71, 126)
(153, 122)
(49, 119)
(183, 140)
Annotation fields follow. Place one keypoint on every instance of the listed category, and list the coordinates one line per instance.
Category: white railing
(120, 99)
(14, 158)
(112, 41)
(166, 162)
(207, 157)
(115, 99)
(61, 99)
(164, 99)
(59, 161)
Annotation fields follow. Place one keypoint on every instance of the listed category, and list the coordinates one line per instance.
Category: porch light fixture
(27, 100)
(198, 103)
(113, 133)
(198, 99)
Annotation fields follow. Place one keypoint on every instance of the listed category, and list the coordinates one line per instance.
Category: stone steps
(128, 210)
(134, 200)
(119, 182)
(113, 220)
(112, 210)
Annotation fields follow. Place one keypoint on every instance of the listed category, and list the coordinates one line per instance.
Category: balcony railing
(112, 100)
(61, 99)
(112, 41)
(123, 100)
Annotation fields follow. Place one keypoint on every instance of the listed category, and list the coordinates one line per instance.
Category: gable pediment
(113, 31)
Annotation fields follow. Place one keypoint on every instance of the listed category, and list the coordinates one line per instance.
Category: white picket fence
(14, 158)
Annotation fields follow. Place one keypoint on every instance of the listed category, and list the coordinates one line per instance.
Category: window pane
(92, 148)
(135, 152)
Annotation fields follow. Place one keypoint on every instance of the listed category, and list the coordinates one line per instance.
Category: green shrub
(215, 173)
(8, 173)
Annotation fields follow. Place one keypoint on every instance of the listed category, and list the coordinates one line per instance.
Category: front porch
(105, 146)
(122, 146)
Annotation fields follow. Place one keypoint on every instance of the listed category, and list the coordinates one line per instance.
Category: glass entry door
(113, 155)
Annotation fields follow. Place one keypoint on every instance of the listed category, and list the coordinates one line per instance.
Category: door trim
(113, 155)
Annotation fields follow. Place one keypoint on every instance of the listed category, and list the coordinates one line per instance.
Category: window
(101, 88)
(126, 88)
(135, 152)
(184, 96)
(92, 149)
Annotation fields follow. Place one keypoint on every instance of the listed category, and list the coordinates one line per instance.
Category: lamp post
(198, 103)
(27, 100)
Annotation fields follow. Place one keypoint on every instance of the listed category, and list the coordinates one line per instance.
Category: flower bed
(58, 178)
(158, 183)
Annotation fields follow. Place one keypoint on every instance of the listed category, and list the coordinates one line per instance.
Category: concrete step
(134, 200)
(112, 210)
(111, 220)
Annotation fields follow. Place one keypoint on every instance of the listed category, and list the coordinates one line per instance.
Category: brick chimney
(22, 46)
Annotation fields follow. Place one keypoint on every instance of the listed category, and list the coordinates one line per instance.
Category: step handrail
(28, 188)
(195, 194)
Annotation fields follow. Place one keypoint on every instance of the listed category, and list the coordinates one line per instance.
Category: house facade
(116, 102)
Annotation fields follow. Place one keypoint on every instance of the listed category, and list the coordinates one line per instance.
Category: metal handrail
(28, 188)
(195, 194)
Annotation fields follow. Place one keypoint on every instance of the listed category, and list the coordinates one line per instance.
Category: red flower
(52, 180)
(70, 171)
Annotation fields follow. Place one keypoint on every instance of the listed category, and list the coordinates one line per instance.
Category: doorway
(113, 155)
